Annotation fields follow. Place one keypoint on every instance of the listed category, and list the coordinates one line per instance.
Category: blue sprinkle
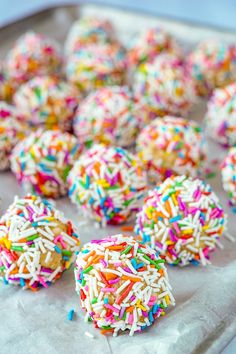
(150, 316)
(85, 251)
(140, 265)
(5, 281)
(175, 218)
(106, 300)
(70, 315)
(57, 249)
(72, 189)
(34, 224)
(22, 282)
(164, 199)
(155, 308)
(134, 263)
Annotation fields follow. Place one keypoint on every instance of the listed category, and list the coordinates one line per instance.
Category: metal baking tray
(203, 320)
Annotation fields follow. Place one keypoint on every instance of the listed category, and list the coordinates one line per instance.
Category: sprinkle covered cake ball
(164, 86)
(171, 145)
(48, 102)
(212, 64)
(221, 115)
(122, 284)
(107, 183)
(228, 171)
(95, 66)
(183, 220)
(89, 30)
(33, 54)
(37, 243)
(42, 161)
(151, 43)
(108, 116)
(13, 128)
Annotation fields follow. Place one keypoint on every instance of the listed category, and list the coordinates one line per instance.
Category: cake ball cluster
(108, 115)
(149, 44)
(171, 145)
(37, 243)
(164, 86)
(122, 284)
(212, 64)
(106, 183)
(228, 171)
(182, 219)
(33, 54)
(95, 66)
(89, 30)
(13, 128)
(42, 161)
(48, 102)
(221, 115)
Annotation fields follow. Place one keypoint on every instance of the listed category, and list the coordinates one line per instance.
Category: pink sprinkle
(131, 318)
(41, 280)
(114, 309)
(114, 281)
(108, 290)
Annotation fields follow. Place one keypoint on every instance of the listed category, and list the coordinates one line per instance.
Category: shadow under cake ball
(182, 219)
(149, 44)
(106, 183)
(164, 86)
(42, 161)
(89, 30)
(13, 128)
(48, 102)
(7, 86)
(212, 64)
(33, 54)
(171, 146)
(108, 115)
(228, 172)
(37, 243)
(122, 284)
(95, 66)
(221, 115)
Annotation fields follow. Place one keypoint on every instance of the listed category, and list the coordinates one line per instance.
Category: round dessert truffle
(7, 86)
(13, 128)
(108, 116)
(122, 284)
(89, 30)
(212, 64)
(183, 220)
(221, 115)
(164, 86)
(95, 66)
(151, 43)
(37, 243)
(228, 171)
(171, 146)
(48, 102)
(42, 161)
(33, 54)
(107, 183)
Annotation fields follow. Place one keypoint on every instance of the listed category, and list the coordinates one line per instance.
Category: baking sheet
(203, 320)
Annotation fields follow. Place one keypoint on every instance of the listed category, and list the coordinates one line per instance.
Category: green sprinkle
(106, 327)
(31, 238)
(2, 268)
(95, 300)
(151, 261)
(83, 282)
(127, 202)
(66, 253)
(66, 172)
(17, 248)
(87, 270)
(127, 250)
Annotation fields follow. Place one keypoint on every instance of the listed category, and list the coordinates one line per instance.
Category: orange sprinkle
(130, 309)
(127, 228)
(89, 255)
(135, 280)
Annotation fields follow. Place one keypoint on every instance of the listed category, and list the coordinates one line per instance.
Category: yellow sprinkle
(205, 227)
(188, 231)
(5, 242)
(169, 242)
(167, 300)
(174, 199)
(138, 303)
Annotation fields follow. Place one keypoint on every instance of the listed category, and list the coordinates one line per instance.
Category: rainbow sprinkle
(183, 220)
(122, 284)
(107, 183)
(37, 243)
(171, 145)
(42, 161)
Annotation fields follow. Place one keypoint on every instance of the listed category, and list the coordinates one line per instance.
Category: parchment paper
(203, 320)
